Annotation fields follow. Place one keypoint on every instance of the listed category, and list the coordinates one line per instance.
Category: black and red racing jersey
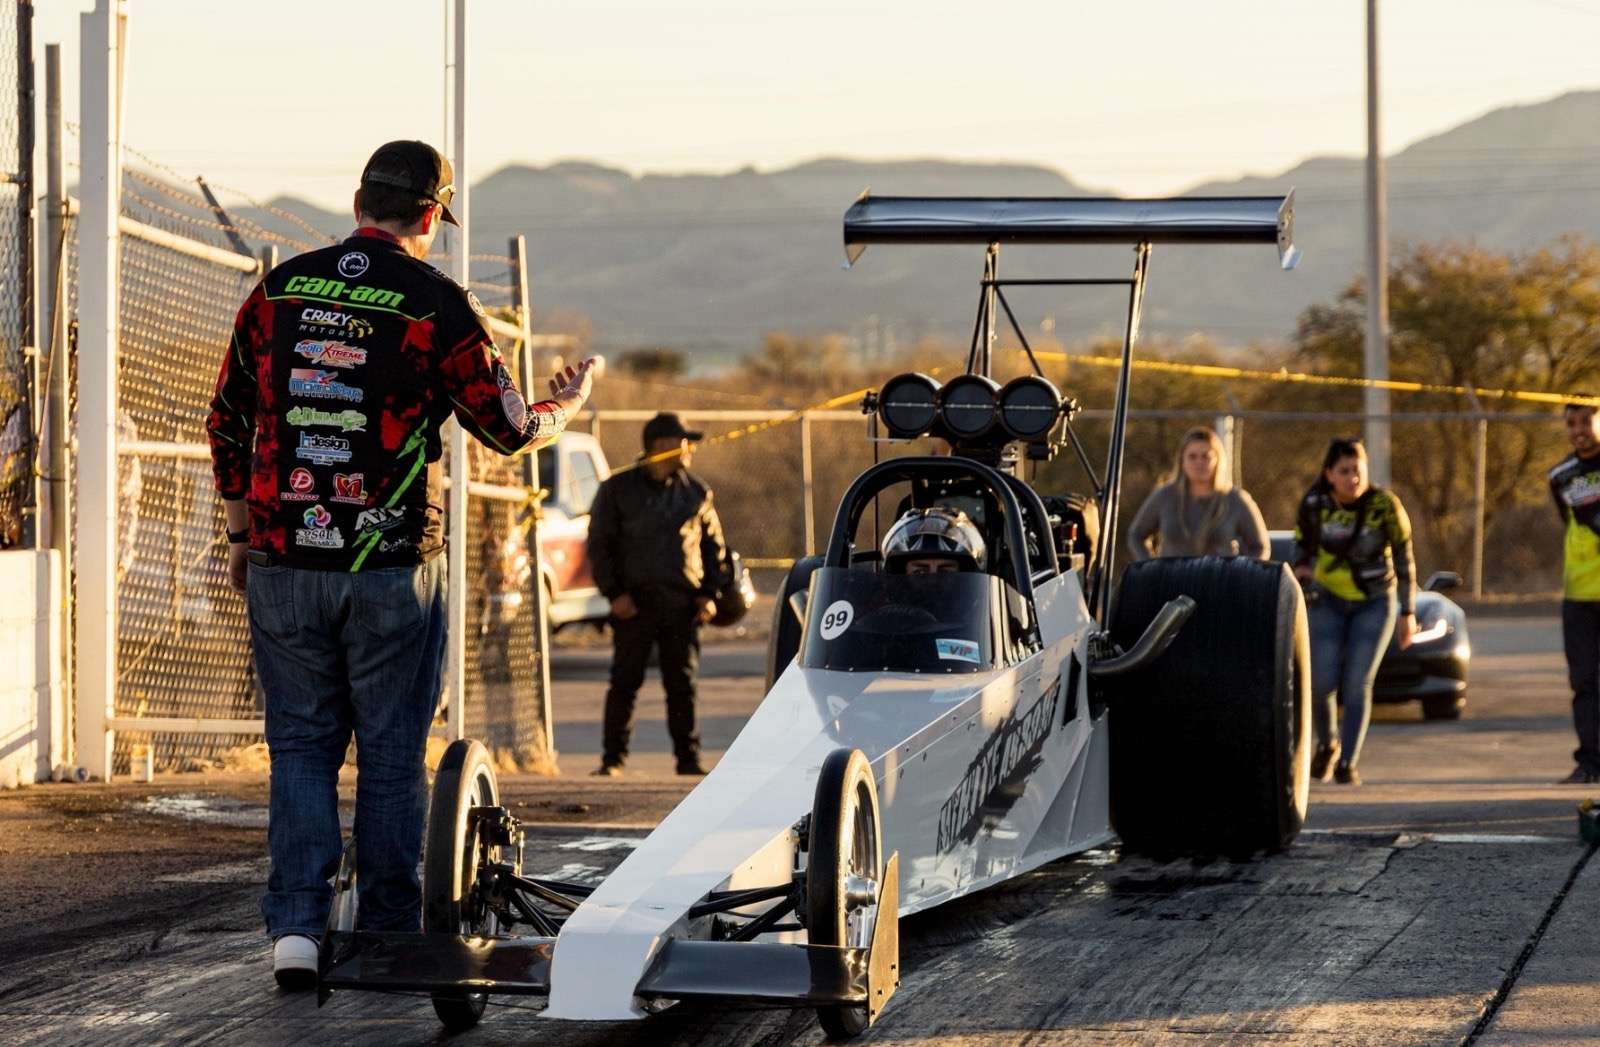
(344, 365)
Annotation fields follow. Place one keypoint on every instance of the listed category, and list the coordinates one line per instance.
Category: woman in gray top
(1199, 512)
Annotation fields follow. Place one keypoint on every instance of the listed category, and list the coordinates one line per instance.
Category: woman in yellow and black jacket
(1354, 557)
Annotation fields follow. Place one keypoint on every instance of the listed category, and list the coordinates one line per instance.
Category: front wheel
(844, 871)
(455, 852)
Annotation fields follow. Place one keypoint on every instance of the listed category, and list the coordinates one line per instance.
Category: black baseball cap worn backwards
(415, 167)
(668, 425)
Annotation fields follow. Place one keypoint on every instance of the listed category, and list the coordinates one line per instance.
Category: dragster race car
(923, 736)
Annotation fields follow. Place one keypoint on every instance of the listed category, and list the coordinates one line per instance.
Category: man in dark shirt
(345, 364)
(656, 548)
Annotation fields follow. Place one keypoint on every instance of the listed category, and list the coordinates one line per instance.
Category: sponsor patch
(330, 353)
(321, 385)
(331, 319)
(319, 538)
(353, 264)
(957, 650)
(339, 291)
(303, 487)
(836, 619)
(348, 421)
(476, 305)
(389, 545)
(350, 488)
(516, 408)
(317, 516)
(322, 450)
(379, 520)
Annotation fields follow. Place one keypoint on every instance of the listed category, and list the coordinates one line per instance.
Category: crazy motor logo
(994, 780)
(330, 353)
(334, 322)
(321, 385)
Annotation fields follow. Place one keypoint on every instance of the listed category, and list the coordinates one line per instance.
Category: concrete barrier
(33, 727)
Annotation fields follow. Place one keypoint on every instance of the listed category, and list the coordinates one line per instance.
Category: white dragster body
(980, 777)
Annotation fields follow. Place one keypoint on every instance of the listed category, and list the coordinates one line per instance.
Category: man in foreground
(655, 544)
(344, 366)
(1575, 486)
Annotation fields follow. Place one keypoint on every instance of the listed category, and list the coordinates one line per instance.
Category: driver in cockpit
(935, 540)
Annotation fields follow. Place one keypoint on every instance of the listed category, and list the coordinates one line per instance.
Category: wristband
(238, 537)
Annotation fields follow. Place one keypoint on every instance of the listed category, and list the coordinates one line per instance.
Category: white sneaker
(294, 962)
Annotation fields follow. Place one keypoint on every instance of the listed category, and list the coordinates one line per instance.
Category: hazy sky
(1138, 97)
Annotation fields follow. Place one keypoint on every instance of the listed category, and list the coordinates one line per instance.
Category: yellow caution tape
(1284, 375)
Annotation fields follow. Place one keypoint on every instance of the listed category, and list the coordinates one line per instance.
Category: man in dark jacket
(656, 547)
(344, 366)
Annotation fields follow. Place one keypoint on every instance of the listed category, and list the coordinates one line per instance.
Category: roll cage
(1057, 220)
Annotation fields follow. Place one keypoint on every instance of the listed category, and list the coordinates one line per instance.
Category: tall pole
(55, 463)
(100, 186)
(1377, 348)
(459, 473)
(523, 301)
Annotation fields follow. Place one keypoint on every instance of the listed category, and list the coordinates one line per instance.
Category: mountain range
(710, 262)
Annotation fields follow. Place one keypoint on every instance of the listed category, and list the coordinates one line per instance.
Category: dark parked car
(1433, 670)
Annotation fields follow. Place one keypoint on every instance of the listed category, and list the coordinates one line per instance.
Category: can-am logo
(997, 775)
(327, 287)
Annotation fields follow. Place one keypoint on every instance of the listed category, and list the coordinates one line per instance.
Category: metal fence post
(808, 493)
(100, 187)
(1480, 466)
(522, 300)
(1225, 426)
(54, 461)
(460, 474)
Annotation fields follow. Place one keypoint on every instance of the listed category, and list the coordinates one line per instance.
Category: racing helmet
(936, 533)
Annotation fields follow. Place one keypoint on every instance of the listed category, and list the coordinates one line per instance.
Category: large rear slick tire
(844, 866)
(1211, 744)
(451, 859)
(783, 641)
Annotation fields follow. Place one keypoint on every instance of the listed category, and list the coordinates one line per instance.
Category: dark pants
(341, 654)
(1347, 642)
(1580, 635)
(666, 621)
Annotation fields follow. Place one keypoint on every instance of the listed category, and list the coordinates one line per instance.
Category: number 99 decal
(836, 619)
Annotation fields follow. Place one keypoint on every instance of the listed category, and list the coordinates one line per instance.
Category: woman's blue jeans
(1348, 639)
(341, 654)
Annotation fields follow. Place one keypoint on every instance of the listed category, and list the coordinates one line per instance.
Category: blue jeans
(340, 654)
(1348, 639)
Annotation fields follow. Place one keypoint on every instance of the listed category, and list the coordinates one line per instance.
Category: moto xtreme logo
(327, 287)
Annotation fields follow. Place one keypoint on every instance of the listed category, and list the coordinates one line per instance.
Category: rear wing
(1071, 220)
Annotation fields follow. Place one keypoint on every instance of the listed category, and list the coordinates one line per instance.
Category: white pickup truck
(571, 470)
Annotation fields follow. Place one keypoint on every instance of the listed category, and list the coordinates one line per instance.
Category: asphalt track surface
(1447, 901)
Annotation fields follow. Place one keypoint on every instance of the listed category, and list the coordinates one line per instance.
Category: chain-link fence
(17, 425)
(761, 481)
